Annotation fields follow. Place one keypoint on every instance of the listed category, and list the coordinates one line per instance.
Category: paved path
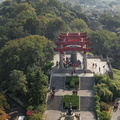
(79, 93)
(86, 93)
(69, 74)
(84, 115)
(116, 115)
(101, 68)
(54, 106)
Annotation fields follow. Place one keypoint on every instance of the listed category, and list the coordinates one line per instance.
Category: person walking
(99, 69)
(74, 70)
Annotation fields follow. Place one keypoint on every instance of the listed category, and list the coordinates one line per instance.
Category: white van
(21, 118)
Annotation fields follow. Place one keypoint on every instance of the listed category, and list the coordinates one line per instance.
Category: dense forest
(28, 31)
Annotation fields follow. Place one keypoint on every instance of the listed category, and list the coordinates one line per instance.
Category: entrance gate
(73, 42)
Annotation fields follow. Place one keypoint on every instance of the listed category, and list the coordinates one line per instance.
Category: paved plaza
(85, 90)
(101, 67)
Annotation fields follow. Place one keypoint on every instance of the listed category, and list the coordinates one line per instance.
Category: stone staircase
(86, 83)
(85, 93)
(69, 70)
(54, 103)
(57, 82)
(86, 102)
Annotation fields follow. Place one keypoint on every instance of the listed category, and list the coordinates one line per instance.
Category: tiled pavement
(86, 92)
(54, 105)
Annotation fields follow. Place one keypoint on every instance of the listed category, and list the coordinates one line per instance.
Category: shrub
(73, 99)
(72, 81)
(72, 84)
(41, 108)
(97, 105)
(30, 108)
(89, 54)
(104, 116)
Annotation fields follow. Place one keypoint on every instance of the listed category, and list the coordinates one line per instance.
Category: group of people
(75, 91)
(67, 62)
(94, 65)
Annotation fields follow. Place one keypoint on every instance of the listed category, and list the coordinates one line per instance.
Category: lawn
(72, 82)
(73, 99)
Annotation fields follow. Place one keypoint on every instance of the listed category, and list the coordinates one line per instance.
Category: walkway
(116, 115)
(101, 67)
(85, 92)
(54, 106)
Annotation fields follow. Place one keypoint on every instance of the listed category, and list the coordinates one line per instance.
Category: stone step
(65, 70)
(57, 82)
(86, 103)
(54, 103)
(86, 83)
(88, 115)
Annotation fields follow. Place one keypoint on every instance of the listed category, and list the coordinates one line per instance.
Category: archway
(73, 42)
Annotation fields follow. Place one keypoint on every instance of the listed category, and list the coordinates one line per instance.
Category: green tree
(49, 6)
(103, 42)
(98, 43)
(6, 3)
(67, 4)
(77, 8)
(33, 25)
(55, 26)
(104, 116)
(37, 91)
(111, 22)
(106, 88)
(78, 24)
(103, 91)
(15, 30)
(24, 15)
(38, 25)
(22, 53)
(7, 11)
(24, 7)
(3, 36)
(17, 84)
(3, 102)
(68, 16)
(114, 86)
(95, 25)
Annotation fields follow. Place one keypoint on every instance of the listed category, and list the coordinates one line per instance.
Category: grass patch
(72, 82)
(73, 99)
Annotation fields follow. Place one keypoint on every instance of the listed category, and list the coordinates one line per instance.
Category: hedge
(72, 82)
(73, 99)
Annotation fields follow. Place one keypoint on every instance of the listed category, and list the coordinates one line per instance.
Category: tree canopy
(22, 62)
(28, 31)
